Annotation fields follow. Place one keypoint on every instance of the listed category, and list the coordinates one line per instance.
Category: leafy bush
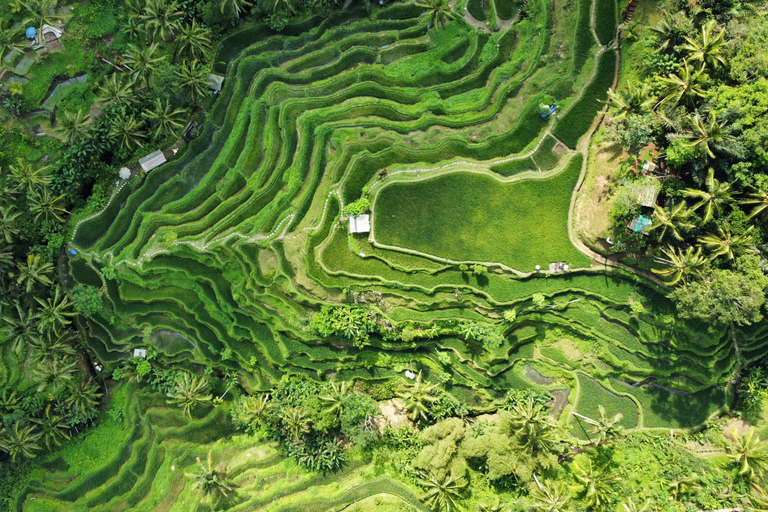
(358, 207)
(87, 300)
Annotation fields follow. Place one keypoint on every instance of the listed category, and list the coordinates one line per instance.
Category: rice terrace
(350, 262)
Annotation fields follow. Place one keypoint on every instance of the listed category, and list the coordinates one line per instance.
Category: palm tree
(283, 6)
(52, 428)
(669, 31)
(193, 77)
(442, 495)
(193, 40)
(758, 498)
(724, 242)
(117, 88)
(594, 484)
(83, 398)
(21, 329)
(34, 271)
(439, 12)
(604, 428)
(672, 220)
(7, 37)
(487, 507)
(688, 83)
(417, 398)
(128, 131)
(713, 199)
(142, 61)
(259, 408)
(27, 179)
(161, 18)
(709, 50)
(42, 12)
(189, 392)
(336, 396)
(55, 345)
(46, 208)
(759, 198)
(551, 496)
(710, 135)
(688, 484)
(211, 481)
(234, 6)
(9, 401)
(631, 100)
(751, 455)
(528, 420)
(166, 119)
(55, 312)
(21, 441)
(74, 127)
(295, 420)
(6, 257)
(631, 506)
(8, 216)
(681, 264)
(51, 376)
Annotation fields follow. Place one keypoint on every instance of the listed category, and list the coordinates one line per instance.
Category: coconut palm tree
(442, 494)
(27, 179)
(671, 220)
(82, 398)
(632, 99)
(211, 481)
(295, 421)
(669, 31)
(74, 127)
(189, 392)
(711, 135)
(713, 199)
(193, 78)
(417, 398)
(52, 428)
(141, 62)
(496, 507)
(259, 408)
(283, 6)
(193, 41)
(162, 18)
(9, 401)
(34, 271)
(759, 198)
(117, 88)
(55, 345)
(165, 119)
(45, 208)
(8, 216)
(128, 131)
(439, 12)
(594, 484)
(336, 396)
(234, 6)
(680, 264)
(7, 37)
(751, 455)
(6, 257)
(55, 312)
(551, 496)
(20, 441)
(51, 376)
(631, 506)
(709, 49)
(21, 327)
(688, 83)
(529, 421)
(604, 427)
(724, 242)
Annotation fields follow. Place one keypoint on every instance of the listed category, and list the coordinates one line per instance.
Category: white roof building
(214, 82)
(140, 352)
(360, 224)
(152, 160)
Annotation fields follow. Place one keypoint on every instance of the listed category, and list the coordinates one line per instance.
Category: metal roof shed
(648, 194)
(360, 224)
(214, 82)
(152, 160)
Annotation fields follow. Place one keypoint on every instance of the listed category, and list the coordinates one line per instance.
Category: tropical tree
(751, 455)
(235, 7)
(7, 37)
(41, 12)
(193, 41)
(21, 328)
(686, 84)
(496, 507)
(528, 419)
(189, 392)
(52, 428)
(47, 209)
(439, 12)
(34, 271)
(680, 264)
(27, 179)
(20, 441)
(52, 375)
(336, 396)
(594, 483)
(295, 421)
(685, 485)
(74, 127)
(631, 506)
(417, 398)
(707, 136)
(117, 88)
(141, 61)
(442, 494)
(55, 312)
(671, 220)
(55, 345)
(669, 30)
(724, 242)
(165, 119)
(283, 6)
(211, 480)
(128, 131)
(83, 398)
(8, 216)
(193, 78)
(551, 496)
(259, 409)
(713, 199)
(709, 49)
(604, 427)
(759, 198)
(162, 18)
(632, 99)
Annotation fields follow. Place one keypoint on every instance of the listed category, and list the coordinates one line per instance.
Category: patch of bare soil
(394, 413)
(558, 403)
(739, 425)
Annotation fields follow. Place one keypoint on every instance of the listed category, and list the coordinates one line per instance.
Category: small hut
(640, 224)
(360, 224)
(215, 82)
(152, 160)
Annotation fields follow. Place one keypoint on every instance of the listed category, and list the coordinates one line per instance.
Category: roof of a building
(215, 81)
(360, 224)
(640, 223)
(648, 195)
(152, 160)
(140, 352)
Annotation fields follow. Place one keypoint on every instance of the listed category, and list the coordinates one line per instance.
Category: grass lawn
(472, 217)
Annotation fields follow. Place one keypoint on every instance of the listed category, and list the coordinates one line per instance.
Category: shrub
(87, 300)
(358, 207)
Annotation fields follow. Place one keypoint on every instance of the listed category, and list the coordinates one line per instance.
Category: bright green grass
(472, 217)
(592, 395)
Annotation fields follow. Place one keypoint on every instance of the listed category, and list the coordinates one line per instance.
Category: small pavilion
(152, 160)
(360, 224)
